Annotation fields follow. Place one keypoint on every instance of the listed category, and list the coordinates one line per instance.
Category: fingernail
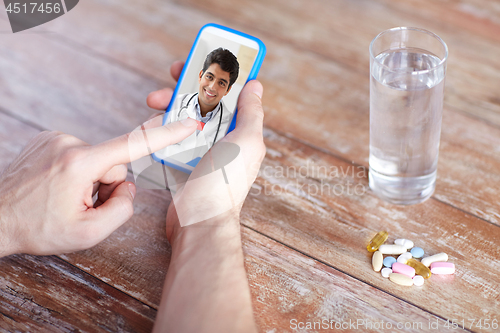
(132, 189)
(189, 122)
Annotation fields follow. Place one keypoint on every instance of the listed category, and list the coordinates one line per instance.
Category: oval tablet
(427, 261)
(417, 252)
(377, 260)
(401, 279)
(418, 280)
(391, 249)
(442, 268)
(408, 244)
(398, 267)
(388, 261)
(386, 272)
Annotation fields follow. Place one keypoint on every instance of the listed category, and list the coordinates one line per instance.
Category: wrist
(210, 233)
(227, 222)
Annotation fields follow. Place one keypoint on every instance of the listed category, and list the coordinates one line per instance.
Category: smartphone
(219, 64)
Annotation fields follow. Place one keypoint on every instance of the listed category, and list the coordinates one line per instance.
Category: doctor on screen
(219, 72)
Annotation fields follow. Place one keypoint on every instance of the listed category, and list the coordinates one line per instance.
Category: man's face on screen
(214, 84)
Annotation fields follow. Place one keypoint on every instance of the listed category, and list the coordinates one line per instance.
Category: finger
(154, 115)
(176, 69)
(105, 191)
(250, 116)
(109, 182)
(115, 211)
(95, 188)
(139, 143)
(159, 99)
(155, 121)
(117, 174)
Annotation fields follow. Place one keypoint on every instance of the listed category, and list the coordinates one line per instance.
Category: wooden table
(304, 233)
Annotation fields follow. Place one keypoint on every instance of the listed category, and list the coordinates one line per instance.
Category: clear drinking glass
(407, 71)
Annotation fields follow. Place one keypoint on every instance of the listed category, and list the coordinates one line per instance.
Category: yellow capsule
(378, 240)
(420, 269)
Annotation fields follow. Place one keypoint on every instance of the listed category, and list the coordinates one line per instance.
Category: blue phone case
(253, 75)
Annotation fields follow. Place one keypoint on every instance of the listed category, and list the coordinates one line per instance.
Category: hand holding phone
(221, 61)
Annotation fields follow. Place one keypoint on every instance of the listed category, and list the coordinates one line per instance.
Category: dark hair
(227, 62)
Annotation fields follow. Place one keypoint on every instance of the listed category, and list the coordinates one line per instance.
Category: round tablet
(417, 252)
(386, 272)
(388, 261)
(418, 280)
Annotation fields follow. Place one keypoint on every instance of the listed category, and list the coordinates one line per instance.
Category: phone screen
(219, 64)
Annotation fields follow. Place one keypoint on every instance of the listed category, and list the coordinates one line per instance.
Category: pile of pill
(406, 270)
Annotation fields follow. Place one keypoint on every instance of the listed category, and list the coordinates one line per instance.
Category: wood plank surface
(46, 294)
(332, 113)
(60, 88)
(280, 278)
(289, 288)
(302, 199)
(332, 29)
(132, 262)
(14, 135)
(88, 74)
(135, 258)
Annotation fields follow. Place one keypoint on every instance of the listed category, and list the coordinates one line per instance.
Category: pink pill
(400, 268)
(441, 267)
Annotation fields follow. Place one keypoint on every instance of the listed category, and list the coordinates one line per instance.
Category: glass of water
(407, 71)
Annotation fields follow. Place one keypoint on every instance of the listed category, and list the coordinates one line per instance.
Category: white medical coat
(197, 144)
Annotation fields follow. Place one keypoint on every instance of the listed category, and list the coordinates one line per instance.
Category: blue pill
(417, 252)
(388, 261)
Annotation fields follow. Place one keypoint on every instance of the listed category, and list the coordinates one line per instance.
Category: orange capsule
(376, 241)
(420, 269)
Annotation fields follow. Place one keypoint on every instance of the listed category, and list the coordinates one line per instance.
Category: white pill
(408, 244)
(386, 272)
(391, 249)
(427, 261)
(442, 267)
(403, 258)
(418, 280)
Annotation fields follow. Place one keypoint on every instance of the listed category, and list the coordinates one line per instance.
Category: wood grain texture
(332, 111)
(91, 76)
(285, 285)
(63, 89)
(134, 260)
(289, 288)
(14, 135)
(302, 199)
(46, 294)
(342, 31)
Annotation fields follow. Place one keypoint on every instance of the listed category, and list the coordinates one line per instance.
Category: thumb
(250, 116)
(117, 210)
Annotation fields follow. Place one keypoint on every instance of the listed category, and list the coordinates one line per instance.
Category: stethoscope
(186, 106)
